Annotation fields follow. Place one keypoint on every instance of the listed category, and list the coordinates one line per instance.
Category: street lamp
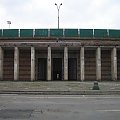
(58, 8)
(9, 22)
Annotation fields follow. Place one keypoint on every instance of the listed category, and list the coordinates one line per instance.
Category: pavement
(59, 88)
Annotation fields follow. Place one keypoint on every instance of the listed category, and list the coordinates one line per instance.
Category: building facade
(60, 54)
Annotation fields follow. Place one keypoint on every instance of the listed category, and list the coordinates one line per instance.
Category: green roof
(114, 33)
(100, 33)
(71, 33)
(10, 32)
(86, 33)
(56, 32)
(0, 32)
(79, 33)
(41, 33)
(26, 32)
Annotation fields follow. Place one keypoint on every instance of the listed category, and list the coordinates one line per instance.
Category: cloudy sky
(73, 14)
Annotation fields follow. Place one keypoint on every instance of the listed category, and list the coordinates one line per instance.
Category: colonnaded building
(60, 54)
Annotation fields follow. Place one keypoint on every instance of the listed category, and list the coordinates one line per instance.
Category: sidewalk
(59, 87)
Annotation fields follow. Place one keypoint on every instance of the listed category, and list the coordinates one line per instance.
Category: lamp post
(58, 8)
(9, 22)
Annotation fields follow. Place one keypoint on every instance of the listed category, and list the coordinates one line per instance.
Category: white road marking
(74, 97)
(61, 96)
(109, 110)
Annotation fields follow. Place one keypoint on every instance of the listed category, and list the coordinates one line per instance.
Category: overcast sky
(73, 14)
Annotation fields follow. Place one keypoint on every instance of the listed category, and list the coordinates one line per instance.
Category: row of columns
(98, 64)
(82, 63)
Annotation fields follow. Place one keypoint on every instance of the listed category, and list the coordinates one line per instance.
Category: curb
(91, 92)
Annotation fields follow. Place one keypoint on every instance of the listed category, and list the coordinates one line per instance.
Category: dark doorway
(57, 68)
(72, 68)
(42, 68)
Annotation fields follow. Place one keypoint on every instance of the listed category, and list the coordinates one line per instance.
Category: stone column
(114, 63)
(66, 63)
(32, 63)
(49, 64)
(1, 63)
(16, 63)
(82, 64)
(98, 64)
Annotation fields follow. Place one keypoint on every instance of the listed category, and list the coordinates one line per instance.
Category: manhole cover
(15, 113)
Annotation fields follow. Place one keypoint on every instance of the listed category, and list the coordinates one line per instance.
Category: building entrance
(57, 68)
(42, 69)
(72, 69)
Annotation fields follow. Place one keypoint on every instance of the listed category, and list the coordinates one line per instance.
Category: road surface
(35, 107)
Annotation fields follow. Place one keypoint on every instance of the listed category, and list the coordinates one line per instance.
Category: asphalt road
(35, 107)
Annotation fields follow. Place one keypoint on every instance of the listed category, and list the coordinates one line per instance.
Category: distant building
(60, 54)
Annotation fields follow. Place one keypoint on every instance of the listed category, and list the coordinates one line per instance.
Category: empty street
(36, 107)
